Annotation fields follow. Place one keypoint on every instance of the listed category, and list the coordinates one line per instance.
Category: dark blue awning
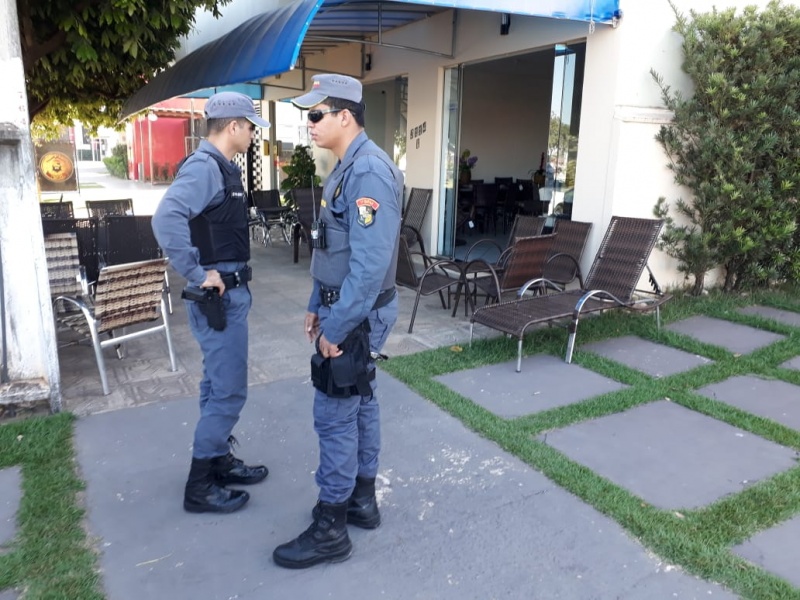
(601, 11)
(270, 43)
(265, 45)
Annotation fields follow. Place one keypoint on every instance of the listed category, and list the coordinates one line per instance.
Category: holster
(210, 304)
(349, 374)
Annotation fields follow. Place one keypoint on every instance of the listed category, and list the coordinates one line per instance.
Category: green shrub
(736, 145)
(117, 163)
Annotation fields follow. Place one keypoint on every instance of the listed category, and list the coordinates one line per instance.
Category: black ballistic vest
(220, 232)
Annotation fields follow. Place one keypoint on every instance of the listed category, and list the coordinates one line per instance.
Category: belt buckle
(236, 279)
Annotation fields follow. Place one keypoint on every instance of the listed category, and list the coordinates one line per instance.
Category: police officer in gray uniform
(201, 223)
(352, 309)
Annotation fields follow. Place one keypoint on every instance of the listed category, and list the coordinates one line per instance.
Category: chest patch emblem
(367, 207)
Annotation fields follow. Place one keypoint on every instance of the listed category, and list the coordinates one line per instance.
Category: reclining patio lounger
(611, 283)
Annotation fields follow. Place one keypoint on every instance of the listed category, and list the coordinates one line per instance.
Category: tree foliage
(83, 59)
(735, 144)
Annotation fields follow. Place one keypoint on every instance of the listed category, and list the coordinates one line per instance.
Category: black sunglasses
(315, 116)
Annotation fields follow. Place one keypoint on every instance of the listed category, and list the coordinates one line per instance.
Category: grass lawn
(697, 540)
(53, 558)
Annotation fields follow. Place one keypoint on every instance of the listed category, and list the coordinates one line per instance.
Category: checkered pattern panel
(252, 163)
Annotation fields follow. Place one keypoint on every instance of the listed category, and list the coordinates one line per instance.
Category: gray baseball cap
(330, 86)
(233, 105)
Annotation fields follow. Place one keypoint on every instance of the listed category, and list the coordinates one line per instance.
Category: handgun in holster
(348, 374)
(210, 304)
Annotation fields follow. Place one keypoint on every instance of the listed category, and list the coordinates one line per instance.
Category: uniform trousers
(223, 389)
(349, 428)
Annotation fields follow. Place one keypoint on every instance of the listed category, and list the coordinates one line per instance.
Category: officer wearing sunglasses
(353, 297)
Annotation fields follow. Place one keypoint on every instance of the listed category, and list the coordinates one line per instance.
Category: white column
(31, 359)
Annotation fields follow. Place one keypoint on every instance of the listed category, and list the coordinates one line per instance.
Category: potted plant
(301, 172)
(465, 165)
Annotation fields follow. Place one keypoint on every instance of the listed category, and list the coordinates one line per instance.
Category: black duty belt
(330, 296)
(236, 278)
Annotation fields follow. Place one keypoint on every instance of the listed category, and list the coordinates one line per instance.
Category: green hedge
(117, 163)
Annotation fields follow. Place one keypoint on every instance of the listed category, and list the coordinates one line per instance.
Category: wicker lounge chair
(435, 277)
(563, 263)
(126, 295)
(414, 215)
(611, 283)
(523, 226)
(525, 261)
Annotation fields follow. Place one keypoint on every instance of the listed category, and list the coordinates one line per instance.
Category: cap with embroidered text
(330, 86)
(233, 105)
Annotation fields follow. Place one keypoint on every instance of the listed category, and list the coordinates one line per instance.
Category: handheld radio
(317, 226)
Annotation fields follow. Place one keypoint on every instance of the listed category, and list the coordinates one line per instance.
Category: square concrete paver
(793, 363)
(10, 496)
(545, 382)
(671, 456)
(786, 317)
(775, 550)
(770, 398)
(646, 356)
(737, 338)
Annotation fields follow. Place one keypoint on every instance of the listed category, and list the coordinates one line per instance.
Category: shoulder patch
(367, 207)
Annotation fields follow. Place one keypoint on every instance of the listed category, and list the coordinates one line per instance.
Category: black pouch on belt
(350, 372)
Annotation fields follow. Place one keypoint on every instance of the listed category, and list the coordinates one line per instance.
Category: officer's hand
(311, 326)
(213, 280)
(327, 349)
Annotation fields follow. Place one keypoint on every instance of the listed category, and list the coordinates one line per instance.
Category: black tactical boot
(204, 495)
(362, 508)
(326, 540)
(228, 469)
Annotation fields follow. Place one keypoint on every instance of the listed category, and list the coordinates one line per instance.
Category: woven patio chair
(102, 208)
(563, 263)
(524, 226)
(56, 210)
(484, 207)
(270, 213)
(130, 239)
(87, 234)
(414, 216)
(525, 261)
(434, 279)
(125, 295)
(611, 283)
(64, 271)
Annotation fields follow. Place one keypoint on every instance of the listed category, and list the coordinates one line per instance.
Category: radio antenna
(313, 199)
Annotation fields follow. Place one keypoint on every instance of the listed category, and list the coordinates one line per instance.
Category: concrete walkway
(461, 518)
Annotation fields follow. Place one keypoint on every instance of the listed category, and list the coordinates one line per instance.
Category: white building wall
(621, 168)
(622, 113)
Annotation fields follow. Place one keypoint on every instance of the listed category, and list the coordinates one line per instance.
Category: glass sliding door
(565, 114)
(449, 161)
